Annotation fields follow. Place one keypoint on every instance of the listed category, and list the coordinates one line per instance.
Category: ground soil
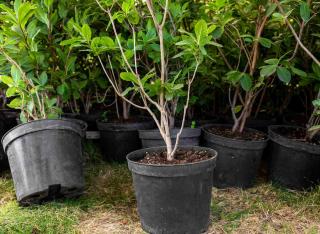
(181, 157)
(298, 134)
(245, 135)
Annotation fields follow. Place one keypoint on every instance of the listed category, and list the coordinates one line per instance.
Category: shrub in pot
(43, 166)
(173, 191)
(240, 149)
(294, 151)
(118, 132)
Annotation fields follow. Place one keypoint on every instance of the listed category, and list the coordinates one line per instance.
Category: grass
(108, 206)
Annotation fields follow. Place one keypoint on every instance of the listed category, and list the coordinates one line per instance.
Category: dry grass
(265, 209)
(108, 206)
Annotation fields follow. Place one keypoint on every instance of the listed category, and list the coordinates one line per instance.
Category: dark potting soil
(181, 157)
(245, 135)
(297, 134)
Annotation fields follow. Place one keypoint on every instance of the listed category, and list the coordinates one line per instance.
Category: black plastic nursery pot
(90, 119)
(119, 139)
(293, 164)
(173, 198)
(152, 138)
(45, 158)
(238, 160)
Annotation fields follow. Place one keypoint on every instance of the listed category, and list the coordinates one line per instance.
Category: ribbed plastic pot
(238, 160)
(173, 198)
(293, 164)
(152, 138)
(45, 158)
(119, 139)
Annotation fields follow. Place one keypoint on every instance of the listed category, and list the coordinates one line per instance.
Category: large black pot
(293, 164)
(173, 198)
(152, 138)
(119, 139)
(45, 158)
(238, 161)
(90, 118)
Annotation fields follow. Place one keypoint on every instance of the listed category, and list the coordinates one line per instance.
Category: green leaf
(316, 103)
(316, 69)
(86, 32)
(128, 76)
(201, 30)
(74, 42)
(237, 109)
(298, 72)
(42, 16)
(272, 61)
(246, 82)
(234, 76)
(43, 78)
(25, 12)
(284, 74)
(305, 11)
(51, 102)
(265, 42)
(48, 3)
(61, 89)
(15, 73)
(15, 103)
(268, 70)
(102, 44)
(11, 92)
(271, 9)
(7, 80)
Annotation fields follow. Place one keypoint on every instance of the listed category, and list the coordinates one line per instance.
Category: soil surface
(181, 157)
(298, 134)
(245, 135)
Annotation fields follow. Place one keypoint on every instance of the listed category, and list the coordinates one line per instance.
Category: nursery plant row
(192, 94)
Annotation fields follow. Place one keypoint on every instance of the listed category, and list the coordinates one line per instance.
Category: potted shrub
(84, 88)
(294, 151)
(118, 132)
(173, 190)
(43, 166)
(240, 149)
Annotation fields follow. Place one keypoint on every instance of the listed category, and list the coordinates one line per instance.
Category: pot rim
(173, 170)
(128, 157)
(204, 128)
(291, 143)
(7, 139)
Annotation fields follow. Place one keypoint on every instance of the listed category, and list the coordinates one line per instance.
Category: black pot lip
(120, 127)
(231, 139)
(155, 133)
(74, 126)
(130, 155)
(287, 142)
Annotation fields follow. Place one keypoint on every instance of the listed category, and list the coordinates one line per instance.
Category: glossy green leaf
(246, 82)
(128, 76)
(305, 11)
(284, 74)
(86, 32)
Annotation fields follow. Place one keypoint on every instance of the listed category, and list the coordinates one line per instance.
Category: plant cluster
(169, 58)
